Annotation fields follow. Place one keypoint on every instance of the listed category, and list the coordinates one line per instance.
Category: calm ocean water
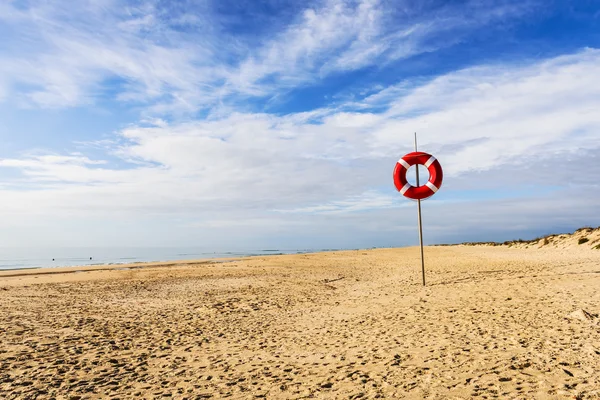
(19, 258)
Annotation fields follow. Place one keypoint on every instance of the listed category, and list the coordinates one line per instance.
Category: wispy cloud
(369, 200)
(66, 54)
(478, 122)
(62, 54)
(503, 113)
(327, 171)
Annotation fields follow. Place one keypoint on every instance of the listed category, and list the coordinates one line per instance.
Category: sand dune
(493, 322)
(581, 238)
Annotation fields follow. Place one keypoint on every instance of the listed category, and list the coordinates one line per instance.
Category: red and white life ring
(418, 192)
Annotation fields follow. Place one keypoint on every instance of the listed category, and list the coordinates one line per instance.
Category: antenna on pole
(419, 216)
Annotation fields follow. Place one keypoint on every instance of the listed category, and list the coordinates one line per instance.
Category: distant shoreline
(16, 272)
(10, 273)
(114, 261)
(582, 237)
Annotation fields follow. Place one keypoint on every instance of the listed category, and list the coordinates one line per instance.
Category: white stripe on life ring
(431, 185)
(429, 162)
(405, 188)
(404, 163)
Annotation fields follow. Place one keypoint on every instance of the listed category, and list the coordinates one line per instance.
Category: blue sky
(277, 123)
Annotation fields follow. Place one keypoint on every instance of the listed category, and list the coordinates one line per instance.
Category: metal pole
(420, 222)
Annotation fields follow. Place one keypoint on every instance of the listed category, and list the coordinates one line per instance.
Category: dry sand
(493, 322)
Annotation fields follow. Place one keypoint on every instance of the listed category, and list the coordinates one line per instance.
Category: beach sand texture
(493, 322)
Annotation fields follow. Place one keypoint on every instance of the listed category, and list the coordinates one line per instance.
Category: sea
(24, 258)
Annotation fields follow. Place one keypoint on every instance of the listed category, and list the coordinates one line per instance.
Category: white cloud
(503, 113)
(366, 201)
(321, 173)
(490, 127)
(341, 36)
(65, 54)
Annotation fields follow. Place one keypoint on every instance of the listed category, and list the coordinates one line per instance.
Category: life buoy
(418, 192)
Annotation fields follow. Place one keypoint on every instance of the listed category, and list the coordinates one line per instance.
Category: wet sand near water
(493, 322)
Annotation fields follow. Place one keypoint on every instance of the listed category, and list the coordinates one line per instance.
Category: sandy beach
(493, 322)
